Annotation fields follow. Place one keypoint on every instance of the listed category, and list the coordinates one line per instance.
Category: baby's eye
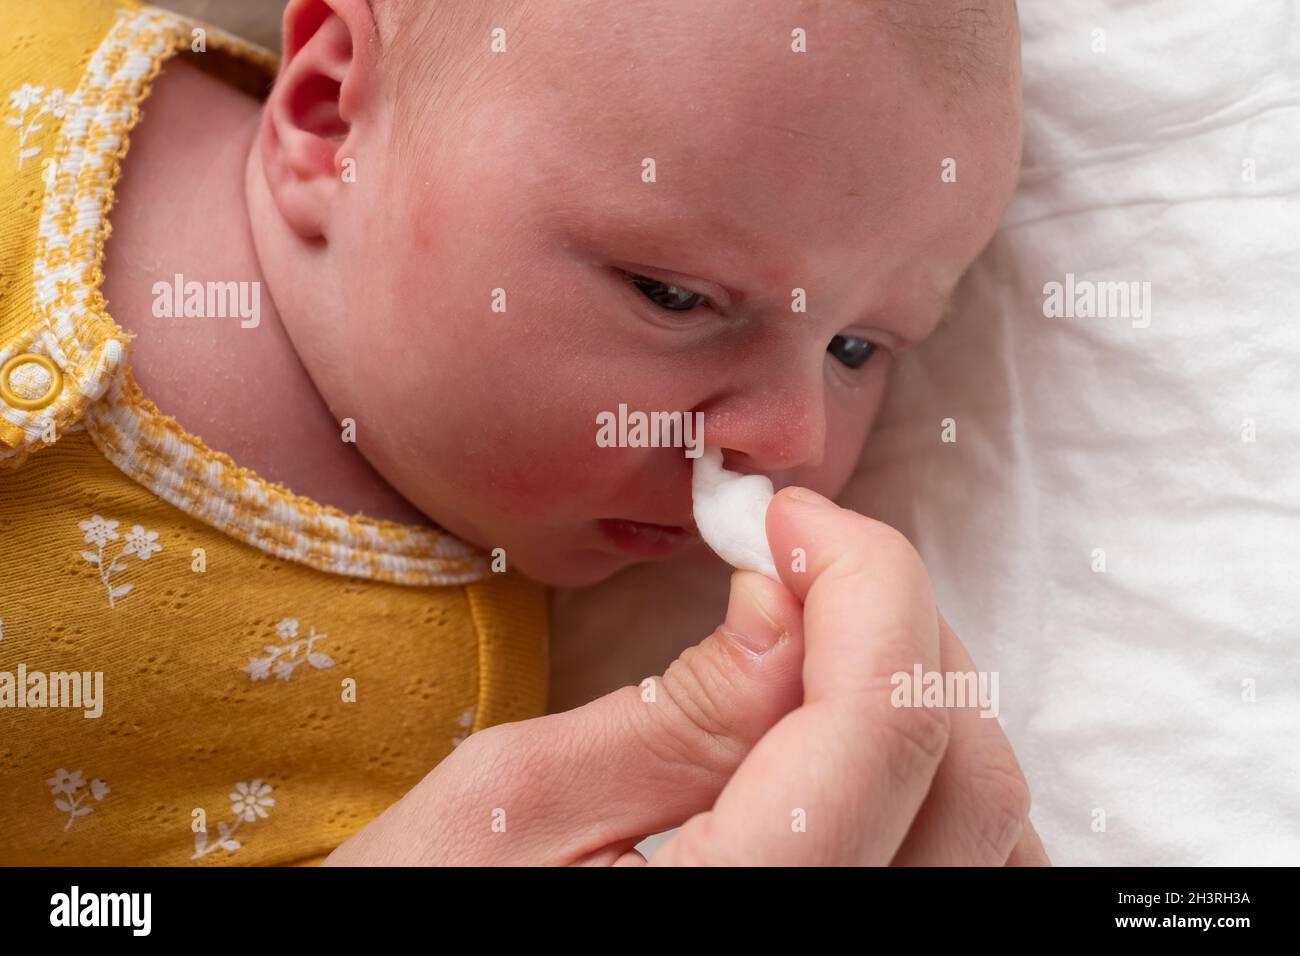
(671, 297)
(852, 350)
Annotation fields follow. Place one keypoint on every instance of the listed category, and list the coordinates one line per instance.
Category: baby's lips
(680, 508)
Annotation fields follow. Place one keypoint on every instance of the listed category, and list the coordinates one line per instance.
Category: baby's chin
(584, 567)
(578, 569)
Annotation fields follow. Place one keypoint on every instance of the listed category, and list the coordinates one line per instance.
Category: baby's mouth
(646, 540)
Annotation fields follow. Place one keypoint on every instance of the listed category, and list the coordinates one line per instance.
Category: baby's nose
(772, 430)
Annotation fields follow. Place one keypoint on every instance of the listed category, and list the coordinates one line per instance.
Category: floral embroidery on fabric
(248, 803)
(64, 786)
(28, 98)
(99, 531)
(283, 667)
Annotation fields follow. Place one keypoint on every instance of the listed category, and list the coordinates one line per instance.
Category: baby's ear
(325, 92)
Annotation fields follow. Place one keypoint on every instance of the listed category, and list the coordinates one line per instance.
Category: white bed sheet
(1125, 691)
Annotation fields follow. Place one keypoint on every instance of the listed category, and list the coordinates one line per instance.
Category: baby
(326, 399)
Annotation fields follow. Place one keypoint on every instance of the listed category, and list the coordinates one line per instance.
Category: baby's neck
(180, 210)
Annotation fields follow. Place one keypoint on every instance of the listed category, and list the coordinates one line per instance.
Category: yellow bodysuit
(197, 666)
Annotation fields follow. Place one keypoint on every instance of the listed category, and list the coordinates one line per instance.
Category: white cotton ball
(731, 513)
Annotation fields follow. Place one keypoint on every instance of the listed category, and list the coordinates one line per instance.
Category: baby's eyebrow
(767, 266)
(756, 263)
(739, 259)
(924, 314)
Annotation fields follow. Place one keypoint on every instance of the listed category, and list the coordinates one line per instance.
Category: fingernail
(809, 497)
(749, 623)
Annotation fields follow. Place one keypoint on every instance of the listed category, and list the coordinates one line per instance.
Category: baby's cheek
(532, 465)
(848, 431)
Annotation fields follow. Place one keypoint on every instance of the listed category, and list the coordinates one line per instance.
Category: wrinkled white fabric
(1127, 692)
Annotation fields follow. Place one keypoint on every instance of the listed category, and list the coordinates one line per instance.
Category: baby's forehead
(729, 55)
(736, 112)
(950, 48)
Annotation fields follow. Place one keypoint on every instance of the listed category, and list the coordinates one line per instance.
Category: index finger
(863, 587)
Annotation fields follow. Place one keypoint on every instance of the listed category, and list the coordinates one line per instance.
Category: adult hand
(775, 740)
(872, 782)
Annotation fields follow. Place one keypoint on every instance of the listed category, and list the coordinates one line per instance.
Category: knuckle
(914, 737)
(1000, 802)
(695, 727)
(486, 743)
(495, 759)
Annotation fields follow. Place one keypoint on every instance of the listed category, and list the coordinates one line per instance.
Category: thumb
(646, 758)
(868, 614)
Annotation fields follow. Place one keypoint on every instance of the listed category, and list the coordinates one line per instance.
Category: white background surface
(1122, 691)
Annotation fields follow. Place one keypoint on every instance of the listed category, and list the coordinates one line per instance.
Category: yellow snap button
(30, 381)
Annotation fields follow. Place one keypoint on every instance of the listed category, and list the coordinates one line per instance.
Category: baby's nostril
(738, 462)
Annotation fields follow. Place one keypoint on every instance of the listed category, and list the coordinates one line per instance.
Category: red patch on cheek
(537, 481)
(421, 234)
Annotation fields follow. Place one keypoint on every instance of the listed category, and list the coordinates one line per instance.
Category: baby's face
(773, 172)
